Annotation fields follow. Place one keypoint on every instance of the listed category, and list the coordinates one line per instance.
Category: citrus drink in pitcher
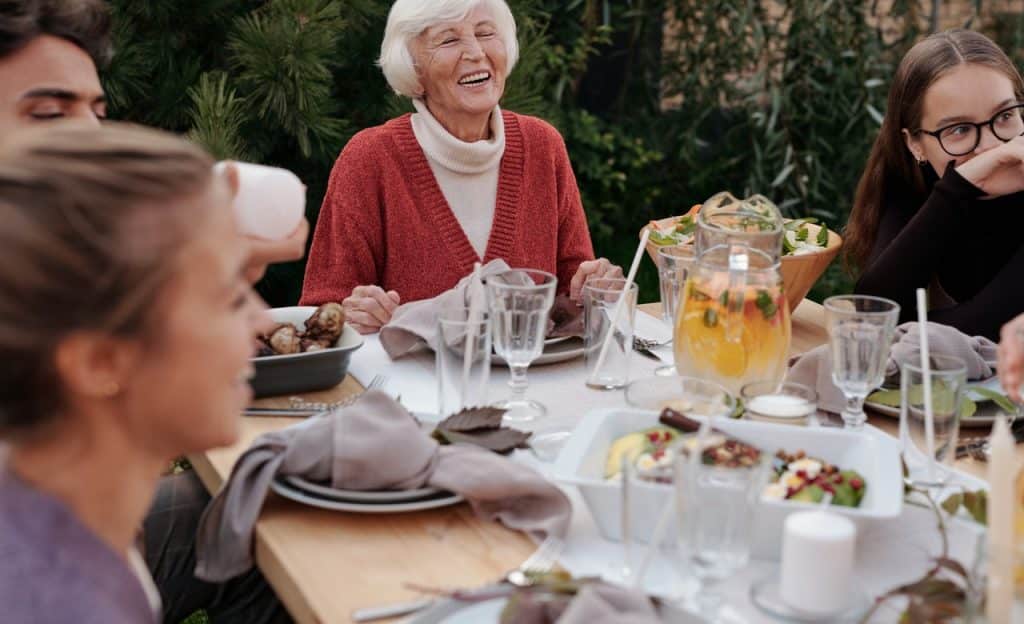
(733, 325)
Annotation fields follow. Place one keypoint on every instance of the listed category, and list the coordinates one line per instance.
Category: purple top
(53, 570)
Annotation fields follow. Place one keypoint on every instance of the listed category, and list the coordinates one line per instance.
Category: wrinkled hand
(1011, 357)
(263, 253)
(999, 171)
(591, 268)
(369, 308)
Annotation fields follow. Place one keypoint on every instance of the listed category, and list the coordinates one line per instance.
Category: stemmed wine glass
(860, 330)
(519, 301)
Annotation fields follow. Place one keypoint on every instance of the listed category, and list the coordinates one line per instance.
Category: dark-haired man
(49, 54)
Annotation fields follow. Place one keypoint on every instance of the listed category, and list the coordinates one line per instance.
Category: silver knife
(370, 614)
(293, 412)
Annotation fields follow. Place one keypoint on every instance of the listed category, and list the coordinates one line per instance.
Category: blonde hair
(409, 18)
(92, 227)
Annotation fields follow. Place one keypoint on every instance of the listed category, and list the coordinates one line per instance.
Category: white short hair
(409, 18)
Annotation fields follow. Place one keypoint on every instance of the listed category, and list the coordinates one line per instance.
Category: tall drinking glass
(608, 308)
(462, 359)
(519, 301)
(929, 461)
(717, 506)
(674, 262)
(860, 330)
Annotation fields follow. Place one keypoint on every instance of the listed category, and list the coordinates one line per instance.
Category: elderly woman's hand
(369, 308)
(1011, 357)
(263, 253)
(591, 268)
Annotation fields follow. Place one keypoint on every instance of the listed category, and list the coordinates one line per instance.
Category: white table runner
(886, 558)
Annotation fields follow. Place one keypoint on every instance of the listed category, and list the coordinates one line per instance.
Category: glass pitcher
(733, 324)
(754, 222)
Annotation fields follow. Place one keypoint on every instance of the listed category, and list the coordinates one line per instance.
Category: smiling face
(50, 78)
(188, 386)
(969, 92)
(462, 67)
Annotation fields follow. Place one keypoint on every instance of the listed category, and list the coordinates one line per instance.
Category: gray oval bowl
(303, 372)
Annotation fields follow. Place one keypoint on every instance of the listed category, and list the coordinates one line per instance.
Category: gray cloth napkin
(814, 368)
(599, 603)
(414, 325)
(372, 445)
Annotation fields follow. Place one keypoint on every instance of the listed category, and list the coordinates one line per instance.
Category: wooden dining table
(325, 564)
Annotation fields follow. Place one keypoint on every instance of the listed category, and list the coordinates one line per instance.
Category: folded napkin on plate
(414, 325)
(372, 445)
(597, 603)
(814, 368)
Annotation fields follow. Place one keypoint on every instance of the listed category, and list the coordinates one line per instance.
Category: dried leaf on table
(472, 419)
(502, 440)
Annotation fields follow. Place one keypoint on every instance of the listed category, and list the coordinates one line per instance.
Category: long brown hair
(91, 228)
(891, 173)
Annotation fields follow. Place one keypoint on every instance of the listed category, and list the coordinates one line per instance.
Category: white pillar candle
(817, 562)
(270, 202)
(1002, 475)
(779, 406)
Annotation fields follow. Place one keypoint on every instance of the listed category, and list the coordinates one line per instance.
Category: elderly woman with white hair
(414, 203)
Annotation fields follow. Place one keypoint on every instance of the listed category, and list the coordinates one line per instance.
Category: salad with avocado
(807, 479)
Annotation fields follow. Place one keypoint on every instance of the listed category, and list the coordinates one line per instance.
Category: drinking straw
(473, 318)
(622, 300)
(926, 374)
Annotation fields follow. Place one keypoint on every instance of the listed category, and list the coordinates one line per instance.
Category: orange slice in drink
(706, 339)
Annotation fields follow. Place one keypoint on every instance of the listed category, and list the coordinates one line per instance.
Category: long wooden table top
(324, 564)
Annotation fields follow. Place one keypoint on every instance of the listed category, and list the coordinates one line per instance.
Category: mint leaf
(822, 239)
(802, 234)
(710, 318)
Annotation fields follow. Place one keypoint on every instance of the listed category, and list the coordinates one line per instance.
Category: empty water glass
(463, 359)
(948, 374)
(674, 262)
(608, 308)
(716, 506)
(519, 301)
(860, 330)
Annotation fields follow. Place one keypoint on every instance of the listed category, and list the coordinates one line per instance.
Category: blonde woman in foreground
(126, 326)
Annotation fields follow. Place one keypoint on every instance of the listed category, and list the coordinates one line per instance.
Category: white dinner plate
(443, 499)
(358, 496)
(986, 415)
(558, 350)
(489, 612)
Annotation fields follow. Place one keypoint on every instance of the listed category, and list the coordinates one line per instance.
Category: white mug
(270, 202)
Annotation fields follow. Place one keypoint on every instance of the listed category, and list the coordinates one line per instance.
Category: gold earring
(111, 388)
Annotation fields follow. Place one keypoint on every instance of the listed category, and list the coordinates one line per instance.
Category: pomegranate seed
(856, 483)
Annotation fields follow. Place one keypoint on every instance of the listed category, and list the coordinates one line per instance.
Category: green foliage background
(779, 97)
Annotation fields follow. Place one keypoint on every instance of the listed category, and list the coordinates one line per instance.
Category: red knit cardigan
(385, 221)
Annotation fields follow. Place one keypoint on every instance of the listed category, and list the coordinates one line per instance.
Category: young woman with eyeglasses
(940, 204)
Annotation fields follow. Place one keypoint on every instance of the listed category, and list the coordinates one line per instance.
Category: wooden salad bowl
(799, 273)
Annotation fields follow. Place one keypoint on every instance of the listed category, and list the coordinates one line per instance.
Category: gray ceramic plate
(303, 372)
(441, 499)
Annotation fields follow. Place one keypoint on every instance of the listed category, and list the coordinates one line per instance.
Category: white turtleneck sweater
(466, 172)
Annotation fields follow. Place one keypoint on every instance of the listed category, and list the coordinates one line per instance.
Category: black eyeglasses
(963, 137)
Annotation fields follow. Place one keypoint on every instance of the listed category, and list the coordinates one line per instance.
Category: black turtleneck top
(972, 248)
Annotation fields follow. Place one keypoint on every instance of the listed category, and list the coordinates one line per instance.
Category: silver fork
(301, 407)
(540, 562)
(646, 344)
